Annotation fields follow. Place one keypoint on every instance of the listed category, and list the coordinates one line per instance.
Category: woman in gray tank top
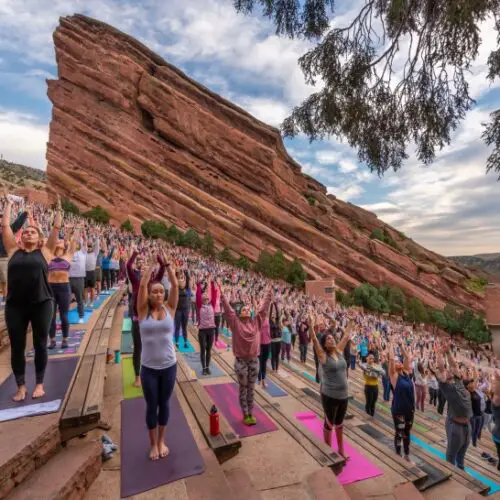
(158, 359)
(333, 377)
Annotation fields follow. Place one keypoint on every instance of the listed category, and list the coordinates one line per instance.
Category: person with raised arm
(333, 380)
(495, 407)
(246, 338)
(458, 430)
(403, 401)
(158, 358)
(29, 299)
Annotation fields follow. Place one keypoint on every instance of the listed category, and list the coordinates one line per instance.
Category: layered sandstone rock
(135, 135)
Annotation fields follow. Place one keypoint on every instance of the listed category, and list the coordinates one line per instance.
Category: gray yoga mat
(194, 362)
(138, 473)
(58, 375)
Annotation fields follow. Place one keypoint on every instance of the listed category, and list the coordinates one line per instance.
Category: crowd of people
(49, 259)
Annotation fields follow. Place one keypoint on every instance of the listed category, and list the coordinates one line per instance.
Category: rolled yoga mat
(138, 473)
(58, 375)
(194, 362)
(226, 399)
(357, 468)
(74, 340)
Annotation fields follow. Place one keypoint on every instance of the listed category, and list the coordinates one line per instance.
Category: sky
(451, 207)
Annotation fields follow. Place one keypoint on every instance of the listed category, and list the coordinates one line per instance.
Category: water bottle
(214, 421)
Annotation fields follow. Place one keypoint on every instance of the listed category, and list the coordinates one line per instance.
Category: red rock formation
(135, 135)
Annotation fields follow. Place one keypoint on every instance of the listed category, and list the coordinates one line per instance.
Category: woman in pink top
(246, 339)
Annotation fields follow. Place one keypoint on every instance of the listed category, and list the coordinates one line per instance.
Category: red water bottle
(214, 421)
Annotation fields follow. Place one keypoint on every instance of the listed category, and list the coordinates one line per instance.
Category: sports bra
(58, 264)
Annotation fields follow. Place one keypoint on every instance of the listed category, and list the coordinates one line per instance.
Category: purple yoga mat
(57, 378)
(226, 398)
(138, 473)
(75, 338)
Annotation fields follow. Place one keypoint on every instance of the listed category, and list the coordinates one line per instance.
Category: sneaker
(252, 420)
(247, 420)
(80, 321)
(64, 344)
(52, 344)
(204, 371)
(209, 372)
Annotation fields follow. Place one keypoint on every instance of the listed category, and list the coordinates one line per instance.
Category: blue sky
(451, 207)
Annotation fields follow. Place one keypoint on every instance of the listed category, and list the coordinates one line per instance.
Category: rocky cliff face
(132, 133)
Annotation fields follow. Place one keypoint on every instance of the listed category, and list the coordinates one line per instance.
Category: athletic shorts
(335, 409)
(90, 279)
(4, 262)
(98, 274)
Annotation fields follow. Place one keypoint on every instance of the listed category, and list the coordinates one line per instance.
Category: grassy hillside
(14, 176)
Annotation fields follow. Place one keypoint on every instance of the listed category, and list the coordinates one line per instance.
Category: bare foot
(137, 383)
(38, 392)
(153, 453)
(164, 451)
(264, 384)
(344, 455)
(20, 394)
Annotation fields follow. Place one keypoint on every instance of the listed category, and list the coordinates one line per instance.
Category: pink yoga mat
(357, 467)
(226, 398)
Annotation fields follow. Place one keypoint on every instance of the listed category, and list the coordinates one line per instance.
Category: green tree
(296, 274)
(126, 225)
(191, 239)
(356, 60)
(208, 245)
(279, 266)
(476, 331)
(339, 296)
(263, 264)
(452, 316)
(226, 256)
(395, 299)
(415, 311)
(173, 235)
(70, 207)
(154, 229)
(98, 214)
(243, 263)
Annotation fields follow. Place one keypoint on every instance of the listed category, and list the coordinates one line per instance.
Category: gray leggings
(458, 436)
(247, 371)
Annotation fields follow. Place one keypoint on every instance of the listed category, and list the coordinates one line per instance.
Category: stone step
(324, 485)
(26, 445)
(67, 476)
(241, 485)
(212, 484)
(407, 491)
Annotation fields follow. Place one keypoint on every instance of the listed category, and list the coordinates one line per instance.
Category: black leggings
(136, 339)
(206, 338)
(62, 298)
(402, 427)
(114, 277)
(275, 355)
(17, 319)
(106, 278)
(217, 325)
(335, 411)
(181, 320)
(441, 402)
(263, 357)
(157, 386)
(371, 395)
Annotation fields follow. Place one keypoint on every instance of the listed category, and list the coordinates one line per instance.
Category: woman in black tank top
(29, 298)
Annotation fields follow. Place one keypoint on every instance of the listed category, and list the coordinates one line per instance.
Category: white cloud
(327, 157)
(22, 139)
(267, 110)
(347, 166)
(346, 193)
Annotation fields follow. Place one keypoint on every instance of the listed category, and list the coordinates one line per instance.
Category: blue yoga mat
(274, 390)
(98, 302)
(183, 349)
(127, 343)
(127, 325)
(194, 362)
(74, 318)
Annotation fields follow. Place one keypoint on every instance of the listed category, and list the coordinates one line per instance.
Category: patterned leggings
(247, 371)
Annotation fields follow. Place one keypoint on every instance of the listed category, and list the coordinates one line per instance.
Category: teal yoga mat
(74, 319)
(127, 325)
(127, 343)
(183, 349)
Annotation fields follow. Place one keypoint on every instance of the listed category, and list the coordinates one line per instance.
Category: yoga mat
(127, 325)
(74, 340)
(97, 303)
(125, 313)
(434, 475)
(138, 473)
(220, 345)
(30, 411)
(357, 468)
(128, 378)
(57, 378)
(420, 428)
(432, 416)
(274, 390)
(183, 349)
(226, 398)
(193, 360)
(127, 343)
(74, 319)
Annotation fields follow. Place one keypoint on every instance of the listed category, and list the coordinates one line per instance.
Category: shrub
(208, 245)
(311, 200)
(127, 226)
(226, 256)
(191, 239)
(381, 235)
(296, 274)
(70, 207)
(243, 263)
(154, 229)
(98, 214)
